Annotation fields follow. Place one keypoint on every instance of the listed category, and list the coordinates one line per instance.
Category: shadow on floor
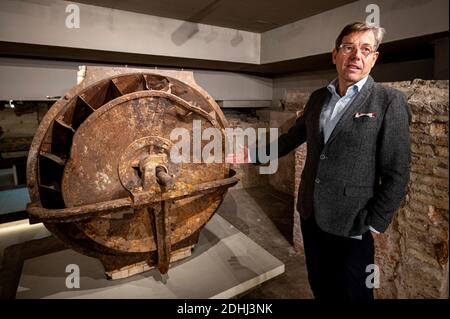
(265, 215)
(258, 206)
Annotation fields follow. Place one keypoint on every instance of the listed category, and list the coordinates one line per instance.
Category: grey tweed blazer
(359, 177)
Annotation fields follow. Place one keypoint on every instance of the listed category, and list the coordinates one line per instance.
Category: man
(356, 170)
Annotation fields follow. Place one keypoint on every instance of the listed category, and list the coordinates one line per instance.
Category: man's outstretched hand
(240, 157)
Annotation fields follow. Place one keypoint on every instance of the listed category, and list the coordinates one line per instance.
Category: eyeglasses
(366, 50)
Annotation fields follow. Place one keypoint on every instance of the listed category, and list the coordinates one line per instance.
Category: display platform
(224, 264)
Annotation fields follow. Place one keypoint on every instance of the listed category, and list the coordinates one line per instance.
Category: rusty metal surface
(138, 200)
(42, 140)
(99, 172)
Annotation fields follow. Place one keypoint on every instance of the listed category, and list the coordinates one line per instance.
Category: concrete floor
(265, 215)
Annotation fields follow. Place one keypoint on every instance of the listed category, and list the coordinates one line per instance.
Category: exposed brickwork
(282, 180)
(248, 173)
(300, 158)
(17, 126)
(294, 101)
(413, 253)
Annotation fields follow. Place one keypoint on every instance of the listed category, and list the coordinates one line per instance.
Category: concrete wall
(317, 34)
(234, 86)
(24, 79)
(43, 22)
(30, 79)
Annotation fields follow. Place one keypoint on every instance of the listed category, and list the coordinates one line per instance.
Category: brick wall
(413, 253)
(17, 126)
(282, 179)
(248, 173)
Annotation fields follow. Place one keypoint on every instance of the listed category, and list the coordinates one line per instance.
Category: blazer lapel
(357, 103)
(317, 132)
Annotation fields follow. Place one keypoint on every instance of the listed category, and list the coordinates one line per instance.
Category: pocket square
(371, 115)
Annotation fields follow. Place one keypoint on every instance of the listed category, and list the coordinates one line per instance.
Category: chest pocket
(365, 122)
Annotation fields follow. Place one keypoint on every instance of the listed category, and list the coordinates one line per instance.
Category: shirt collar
(355, 87)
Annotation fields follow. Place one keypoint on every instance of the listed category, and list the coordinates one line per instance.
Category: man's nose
(357, 54)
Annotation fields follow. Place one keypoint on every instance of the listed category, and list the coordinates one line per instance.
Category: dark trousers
(337, 265)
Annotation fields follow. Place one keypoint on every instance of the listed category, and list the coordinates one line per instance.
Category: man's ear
(333, 55)
(375, 57)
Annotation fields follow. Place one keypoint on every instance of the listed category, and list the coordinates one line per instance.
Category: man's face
(352, 67)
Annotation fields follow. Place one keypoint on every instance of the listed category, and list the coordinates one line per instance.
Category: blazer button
(317, 180)
(322, 156)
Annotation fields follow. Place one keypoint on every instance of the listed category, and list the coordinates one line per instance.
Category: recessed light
(263, 22)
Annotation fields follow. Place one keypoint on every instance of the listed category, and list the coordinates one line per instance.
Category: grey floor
(265, 215)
